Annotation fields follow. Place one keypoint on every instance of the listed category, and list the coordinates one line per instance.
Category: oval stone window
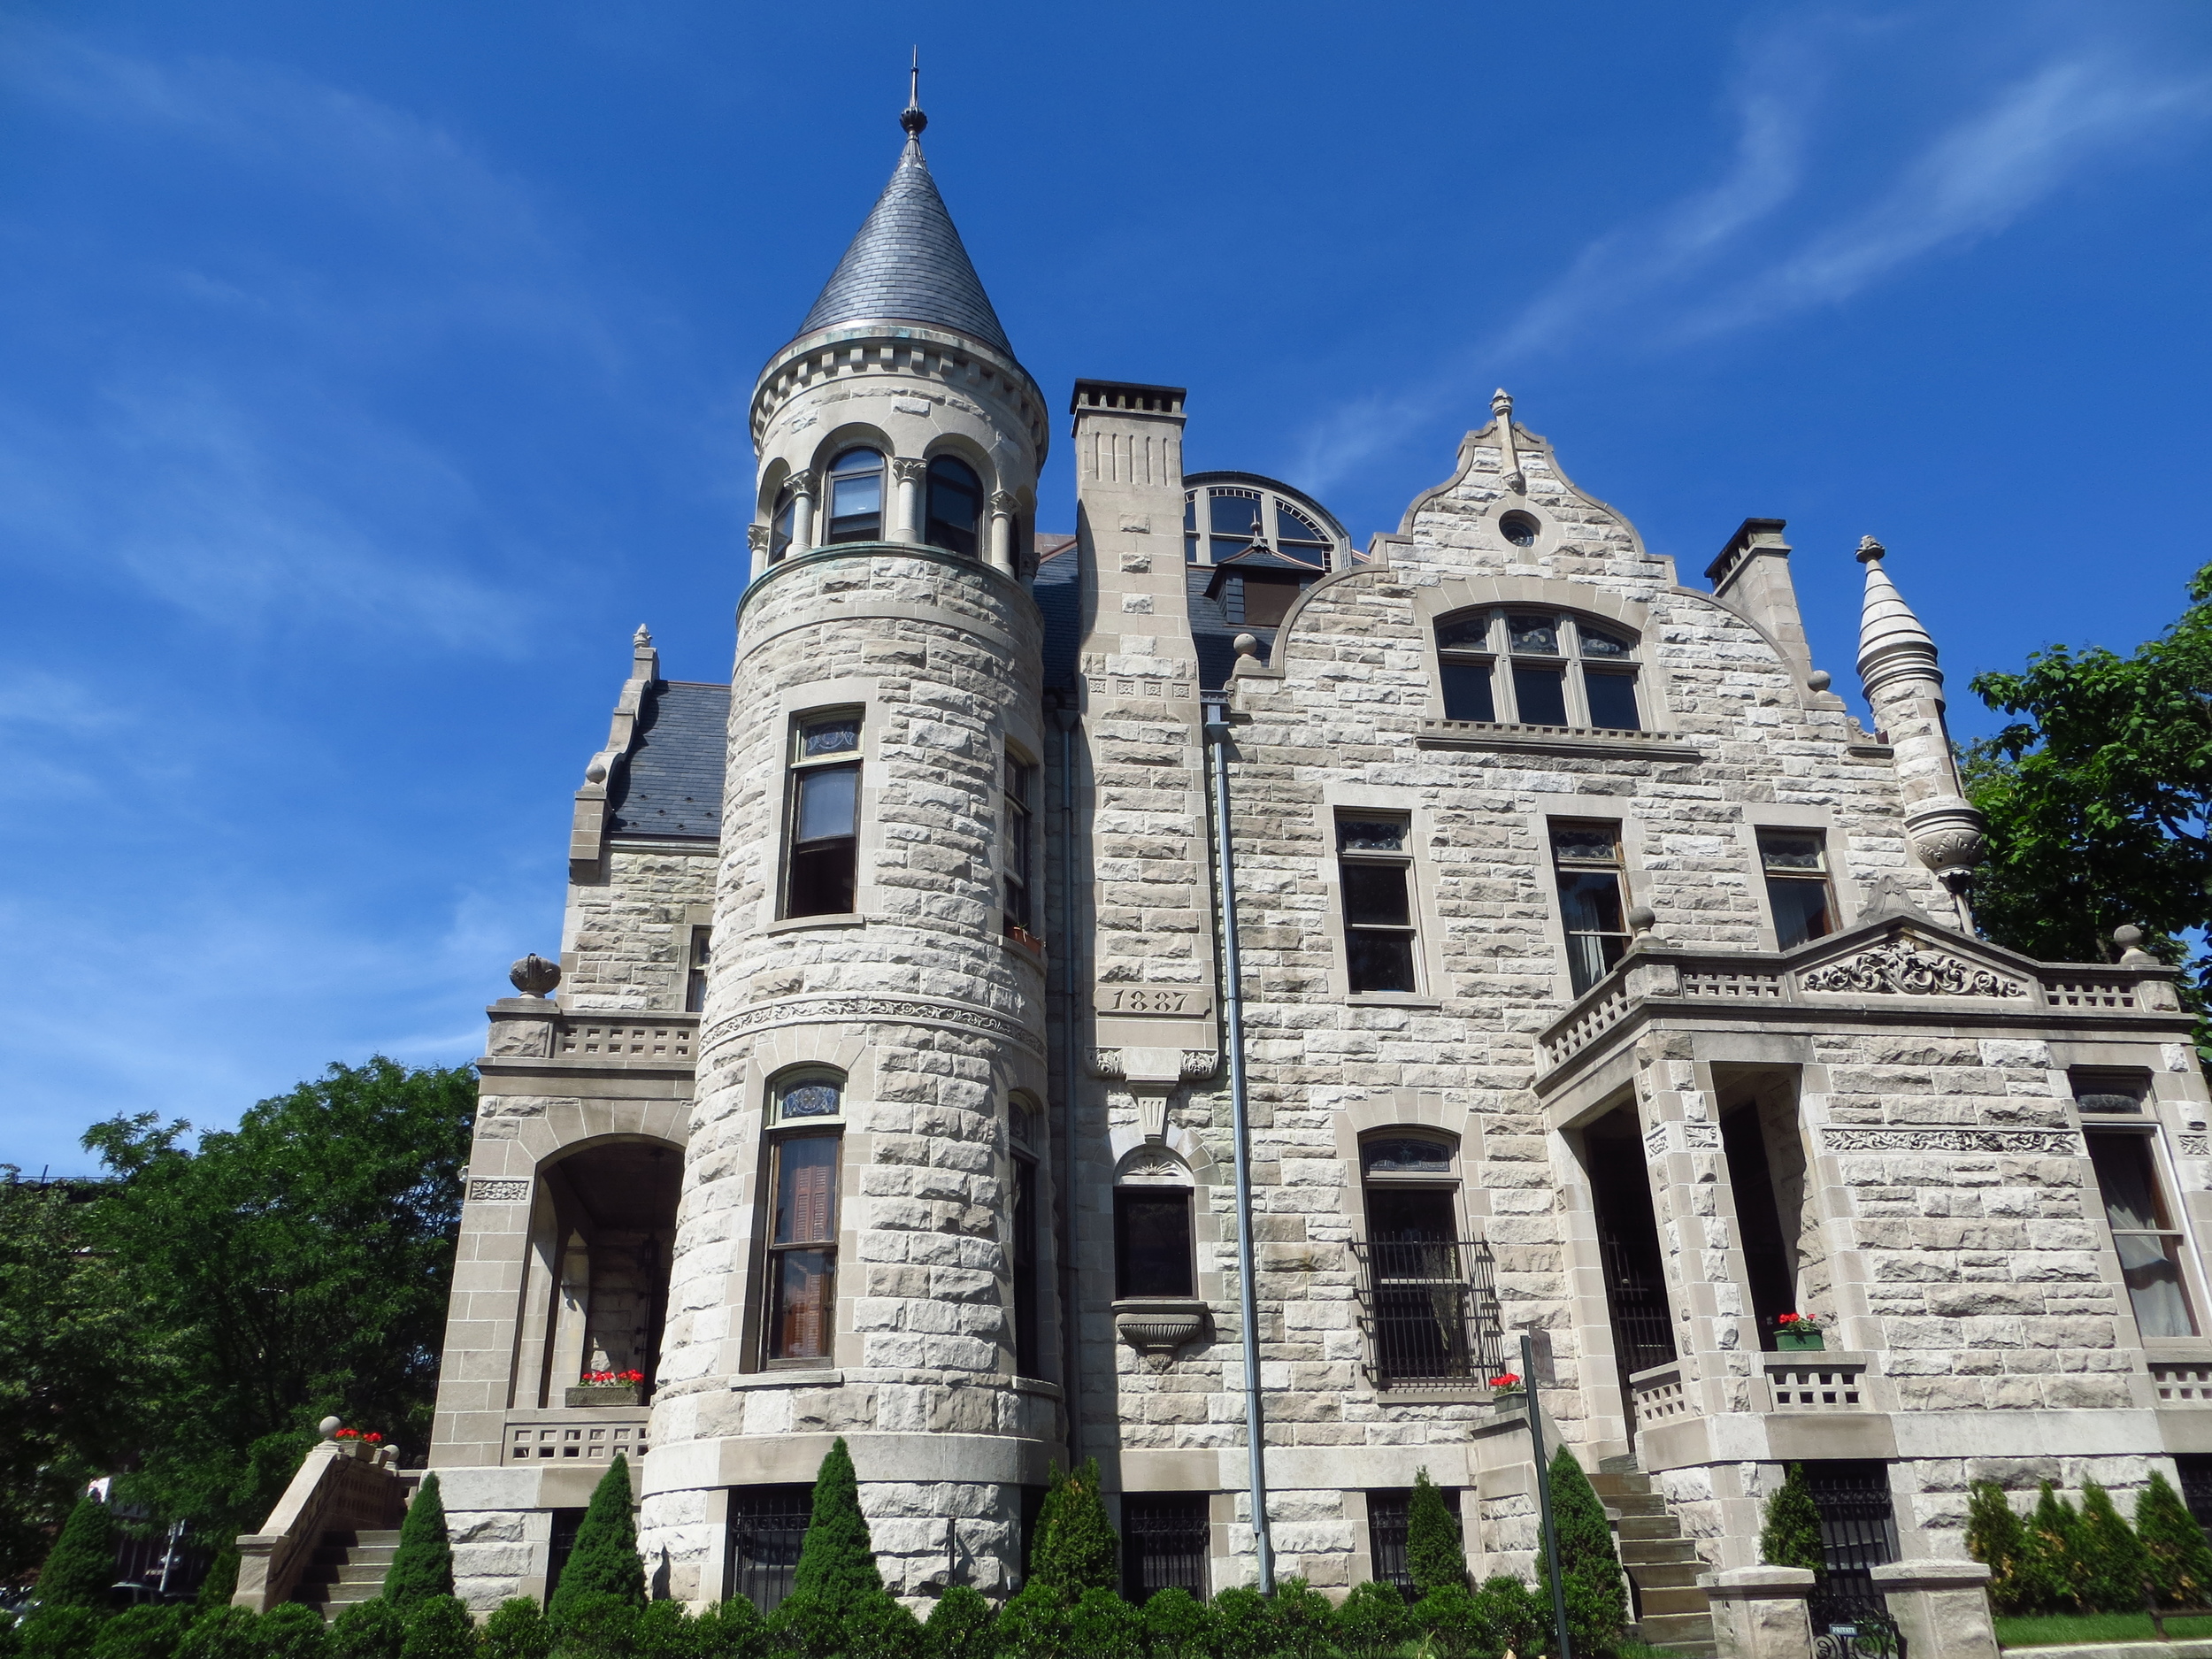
(1519, 528)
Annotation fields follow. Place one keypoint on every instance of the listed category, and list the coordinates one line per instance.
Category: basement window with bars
(1858, 1528)
(1389, 1512)
(767, 1524)
(1164, 1544)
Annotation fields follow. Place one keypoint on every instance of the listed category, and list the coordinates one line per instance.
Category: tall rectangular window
(822, 858)
(1021, 841)
(767, 1526)
(2143, 1232)
(1795, 864)
(1588, 860)
(1152, 1241)
(696, 974)
(1024, 1251)
(1375, 870)
(1466, 663)
(803, 1247)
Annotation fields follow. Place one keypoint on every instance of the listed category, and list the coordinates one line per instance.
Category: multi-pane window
(821, 864)
(780, 523)
(1537, 668)
(855, 498)
(1795, 864)
(955, 512)
(1588, 857)
(1419, 1290)
(1374, 861)
(1152, 1241)
(1223, 519)
(2143, 1232)
(695, 975)
(803, 1140)
(1020, 831)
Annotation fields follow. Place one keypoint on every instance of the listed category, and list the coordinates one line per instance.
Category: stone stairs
(1662, 1563)
(347, 1567)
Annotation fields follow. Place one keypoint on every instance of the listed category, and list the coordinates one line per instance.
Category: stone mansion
(1197, 984)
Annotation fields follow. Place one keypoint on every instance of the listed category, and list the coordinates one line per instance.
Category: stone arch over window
(1156, 1237)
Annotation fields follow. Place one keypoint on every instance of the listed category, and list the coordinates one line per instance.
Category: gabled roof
(908, 265)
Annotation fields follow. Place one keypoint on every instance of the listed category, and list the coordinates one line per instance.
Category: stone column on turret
(1904, 689)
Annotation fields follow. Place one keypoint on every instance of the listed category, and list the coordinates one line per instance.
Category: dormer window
(956, 506)
(1227, 514)
(856, 496)
(1537, 668)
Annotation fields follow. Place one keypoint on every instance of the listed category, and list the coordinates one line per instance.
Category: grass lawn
(2088, 1627)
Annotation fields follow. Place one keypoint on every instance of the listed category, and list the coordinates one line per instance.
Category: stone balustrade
(591, 1434)
(341, 1486)
(529, 1028)
(1816, 1381)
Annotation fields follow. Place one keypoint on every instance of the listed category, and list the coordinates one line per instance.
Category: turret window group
(956, 506)
(1537, 668)
(856, 496)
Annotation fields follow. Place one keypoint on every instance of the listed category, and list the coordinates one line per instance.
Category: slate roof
(1059, 600)
(672, 784)
(908, 265)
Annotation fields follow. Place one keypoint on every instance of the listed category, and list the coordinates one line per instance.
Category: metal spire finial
(912, 119)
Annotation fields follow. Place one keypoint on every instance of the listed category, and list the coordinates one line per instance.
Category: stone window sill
(1555, 739)
(793, 1379)
(800, 923)
(1391, 999)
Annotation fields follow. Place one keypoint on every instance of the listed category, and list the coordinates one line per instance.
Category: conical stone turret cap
(1892, 641)
(908, 263)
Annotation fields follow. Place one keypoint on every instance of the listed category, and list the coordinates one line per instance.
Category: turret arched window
(856, 496)
(956, 506)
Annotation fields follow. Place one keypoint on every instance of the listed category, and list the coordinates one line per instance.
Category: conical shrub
(1596, 1590)
(1436, 1553)
(837, 1560)
(1373, 1622)
(2115, 1571)
(1996, 1537)
(422, 1567)
(80, 1569)
(604, 1562)
(2054, 1554)
(2179, 1558)
(1077, 1548)
(1790, 1536)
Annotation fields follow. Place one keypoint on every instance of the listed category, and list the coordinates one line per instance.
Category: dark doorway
(1628, 1237)
(1767, 1251)
(565, 1524)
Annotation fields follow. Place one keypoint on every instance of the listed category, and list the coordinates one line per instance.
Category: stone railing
(1658, 1394)
(2182, 1384)
(342, 1486)
(1909, 959)
(593, 1434)
(1816, 1381)
(532, 1028)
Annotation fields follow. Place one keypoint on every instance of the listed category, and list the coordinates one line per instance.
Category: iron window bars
(1163, 1543)
(767, 1525)
(1430, 1307)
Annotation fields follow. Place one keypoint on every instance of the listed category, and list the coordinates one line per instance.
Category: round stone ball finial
(2127, 935)
(1869, 549)
(1246, 644)
(1641, 918)
(1820, 679)
(534, 975)
(328, 1428)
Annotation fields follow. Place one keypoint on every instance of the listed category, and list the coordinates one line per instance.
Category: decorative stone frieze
(1907, 967)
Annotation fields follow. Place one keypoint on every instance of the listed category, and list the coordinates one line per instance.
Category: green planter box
(604, 1394)
(1787, 1340)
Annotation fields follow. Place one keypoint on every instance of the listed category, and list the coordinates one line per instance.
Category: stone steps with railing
(348, 1568)
(1663, 1566)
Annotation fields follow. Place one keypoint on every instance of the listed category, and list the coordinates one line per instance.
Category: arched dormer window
(1530, 667)
(856, 496)
(955, 514)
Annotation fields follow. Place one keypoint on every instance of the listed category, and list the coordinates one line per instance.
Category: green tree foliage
(1996, 1537)
(666, 1630)
(368, 1629)
(293, 1268)
(2054, 1552)
(959, 1626)
(439, 1627)
(1304, 1619)
(1457, 1624)
(59, 1632)
(516, 1630)
(733, 1630)
(880, 1627)
(1436, 1554)
(422, 1567)
(1175, 1624)
(604, 1562)
(75, 1339)
(293, 1631)
(143, 1633)
(223, 1632)
(1077, 1548)
(1596, 1590)
(1034, 1624)
(221, 1582)
(1373, 1622)
(1790, 1536)
(80, 1570)
(1517, 1619)
(2114, 1570)
(1102, 1625)
(599, 1625)
(2180, 1560)
(1242, 1628)
(2098, 794)
(837, 1560)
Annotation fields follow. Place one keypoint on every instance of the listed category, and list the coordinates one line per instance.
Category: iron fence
(1431, 1312)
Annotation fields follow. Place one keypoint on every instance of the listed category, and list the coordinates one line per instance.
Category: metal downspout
(1063, 1181)
(1232, 1012)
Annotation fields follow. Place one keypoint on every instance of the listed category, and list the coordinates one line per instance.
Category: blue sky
(372, 370)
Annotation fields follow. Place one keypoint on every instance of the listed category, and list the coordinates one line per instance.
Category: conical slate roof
(908, 263)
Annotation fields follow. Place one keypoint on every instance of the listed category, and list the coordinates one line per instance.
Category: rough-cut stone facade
(1881, 1127)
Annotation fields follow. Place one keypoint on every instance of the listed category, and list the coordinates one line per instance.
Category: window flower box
(607, 1388)
(1794, 1333)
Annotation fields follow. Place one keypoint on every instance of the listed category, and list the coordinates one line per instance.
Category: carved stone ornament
(1904, 968)
(1947, 834)
(907, 470)
(498, 1192)
(1004, 500)
(534, 975)
(865, 1010)
(2196, 1146)
(757, 537)
(1159, 1324)
(2055, 1143)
